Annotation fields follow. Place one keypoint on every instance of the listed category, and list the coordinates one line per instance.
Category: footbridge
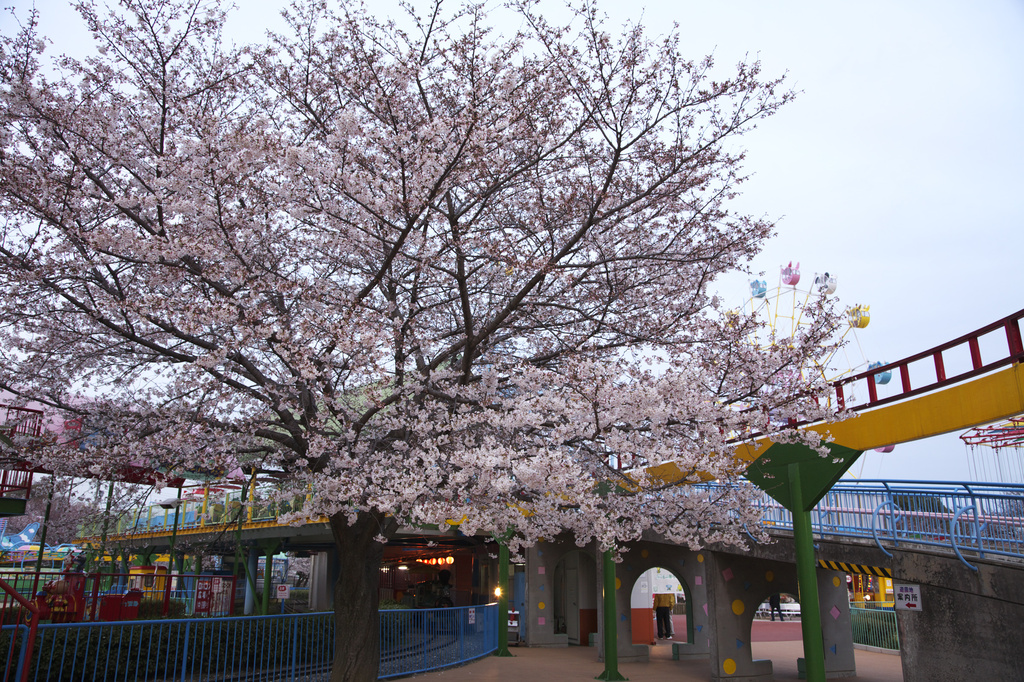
(960, 544)
(972, 380)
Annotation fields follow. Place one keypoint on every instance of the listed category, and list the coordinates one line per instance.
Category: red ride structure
(1005, 434)
(17, 424)
(1000, 457)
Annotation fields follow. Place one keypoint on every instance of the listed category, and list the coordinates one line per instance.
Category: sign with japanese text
(907, 597)
(204, 596)
(284, 591)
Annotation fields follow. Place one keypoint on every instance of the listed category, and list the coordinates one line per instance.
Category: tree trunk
(356, 622)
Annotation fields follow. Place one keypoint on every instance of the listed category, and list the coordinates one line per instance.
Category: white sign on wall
(907, 597)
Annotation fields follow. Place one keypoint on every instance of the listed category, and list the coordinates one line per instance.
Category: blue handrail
(932, 513)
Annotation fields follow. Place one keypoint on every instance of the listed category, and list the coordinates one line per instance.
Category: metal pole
(806, 576)
(502, 601)
(269, 549)
(174, 532)
(611, 640)
(106, 525)
(42, 531)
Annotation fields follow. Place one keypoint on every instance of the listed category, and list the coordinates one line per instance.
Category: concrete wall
(736, 587)
(688, 568)
(541, 560)
(969, 626)
(322, 577)
(738, 584)
(970, 623)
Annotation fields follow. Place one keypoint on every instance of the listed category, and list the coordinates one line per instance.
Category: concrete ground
(778, 641)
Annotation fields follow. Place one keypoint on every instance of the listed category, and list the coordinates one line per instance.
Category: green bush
(152, 609)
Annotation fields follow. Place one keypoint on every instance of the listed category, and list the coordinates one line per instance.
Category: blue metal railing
(979, 519)
(281, 647)
(417, 640)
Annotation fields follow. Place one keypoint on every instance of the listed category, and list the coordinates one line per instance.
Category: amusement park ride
(785, 308)
(19, 423)
(928, 399)
(996, 452)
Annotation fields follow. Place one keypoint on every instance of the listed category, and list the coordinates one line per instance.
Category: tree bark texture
(357, 628)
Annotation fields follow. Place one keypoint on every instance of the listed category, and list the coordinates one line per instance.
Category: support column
(269, 550)
(503, 590)
(836, 628)
(98, 561)
(250, 589)
(806, 575)
(611, 641)
(41, 534)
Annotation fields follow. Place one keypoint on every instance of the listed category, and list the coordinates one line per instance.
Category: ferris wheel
(784, 309)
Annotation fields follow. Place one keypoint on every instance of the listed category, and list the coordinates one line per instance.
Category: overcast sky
(899, 168)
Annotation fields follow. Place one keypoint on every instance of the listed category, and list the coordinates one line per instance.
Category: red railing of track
(1014, 354)
(18, 422)
(21, 421)
(16, 484)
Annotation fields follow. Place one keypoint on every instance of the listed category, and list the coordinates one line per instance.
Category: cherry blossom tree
(69, 510)
(426, 272)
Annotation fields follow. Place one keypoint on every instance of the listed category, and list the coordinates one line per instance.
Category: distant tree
(424, 275)
(69, 512)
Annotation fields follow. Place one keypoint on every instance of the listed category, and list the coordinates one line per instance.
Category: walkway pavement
(775, 641)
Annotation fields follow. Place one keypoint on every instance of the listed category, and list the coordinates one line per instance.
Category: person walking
(663, 604)
(774, 602)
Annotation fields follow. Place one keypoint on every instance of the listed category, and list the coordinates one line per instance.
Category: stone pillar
(541, 560)
(836, 628)
(736, 587)
(687, 567)
(250, 595)
(321, 589)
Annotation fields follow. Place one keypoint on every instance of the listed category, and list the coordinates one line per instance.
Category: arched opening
(574, 597)
(788, 608)
(661, 586)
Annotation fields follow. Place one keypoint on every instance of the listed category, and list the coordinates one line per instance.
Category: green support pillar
(174, 534)
(42, 531)
(269, 548)
(806, 576)
(98, 560)
(502, 601)
(611, 640)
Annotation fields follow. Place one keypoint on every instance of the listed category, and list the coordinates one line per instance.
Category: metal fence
(254, 649)
(416, 640)
(874, 624)
(76, 597)
(979, 519)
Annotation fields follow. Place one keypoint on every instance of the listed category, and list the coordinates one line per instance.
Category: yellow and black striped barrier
(855, 568)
